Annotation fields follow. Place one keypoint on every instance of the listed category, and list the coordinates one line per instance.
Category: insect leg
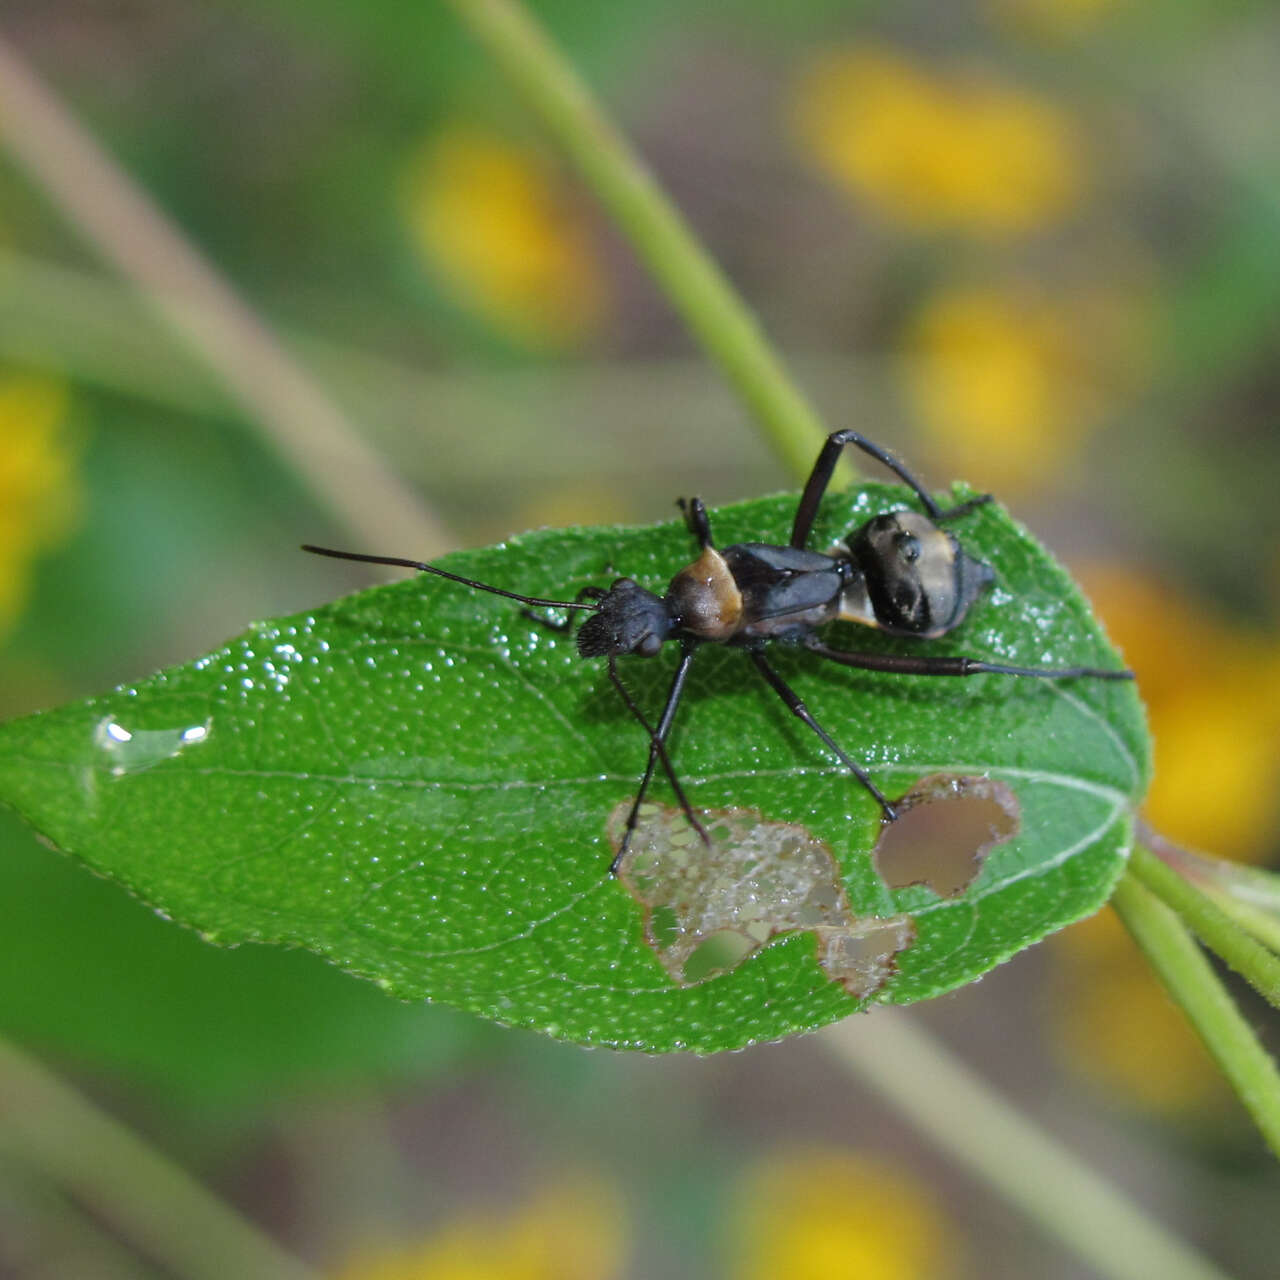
(820, 477)
(953, 665)
(796, 706)
(657, 751)
(695, 516)
(656, 747)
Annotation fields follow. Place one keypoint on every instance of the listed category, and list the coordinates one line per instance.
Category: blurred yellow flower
(496, 228)
(39, 494)
(1213, 698)
(814, 1214)
(575, 1230)
(1212, 691)
(1006, 382)
(939, 150)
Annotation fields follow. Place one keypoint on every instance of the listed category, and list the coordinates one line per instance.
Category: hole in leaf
(707, 910)
(723, 950)
(946, 826)
(862, 957)
(665, 926)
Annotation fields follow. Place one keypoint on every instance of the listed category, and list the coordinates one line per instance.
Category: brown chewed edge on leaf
(946, 825)
(706, 910)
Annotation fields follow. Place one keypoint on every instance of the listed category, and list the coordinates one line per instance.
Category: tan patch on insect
(707, 910)
(947, 824)
(707, 598)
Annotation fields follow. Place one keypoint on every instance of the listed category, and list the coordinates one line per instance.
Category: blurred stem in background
(298, 419)
(1000, 1146)
(158, 1207)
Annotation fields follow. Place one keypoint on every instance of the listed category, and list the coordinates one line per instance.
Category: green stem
(160, 1208)
(1249, 895)
(963, 1116)
(699, 290)
(1190, 980)
(1248, 957)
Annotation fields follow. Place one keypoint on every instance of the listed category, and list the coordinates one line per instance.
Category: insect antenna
(400, 563)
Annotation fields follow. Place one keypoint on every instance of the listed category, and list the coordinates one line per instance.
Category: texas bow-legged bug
(901, 572)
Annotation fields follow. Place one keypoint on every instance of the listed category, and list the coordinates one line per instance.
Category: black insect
(901, 572)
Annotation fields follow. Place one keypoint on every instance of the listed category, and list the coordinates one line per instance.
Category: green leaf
(418, 782)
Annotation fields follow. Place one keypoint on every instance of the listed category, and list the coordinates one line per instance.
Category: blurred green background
(1030, 243)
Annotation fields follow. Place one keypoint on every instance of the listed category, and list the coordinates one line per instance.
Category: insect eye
(908, 546)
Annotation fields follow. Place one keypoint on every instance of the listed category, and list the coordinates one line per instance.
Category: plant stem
(1249, 895)
(711, 308)
(165, 1212)
(958, 1112)
(1189, 978)
(1248, 957)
